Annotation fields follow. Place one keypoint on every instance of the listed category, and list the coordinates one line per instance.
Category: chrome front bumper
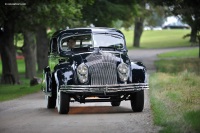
(104, 88)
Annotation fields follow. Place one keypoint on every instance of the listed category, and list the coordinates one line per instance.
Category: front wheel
(137, 101)
(63, 100)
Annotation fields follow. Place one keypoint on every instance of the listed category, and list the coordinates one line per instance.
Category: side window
(53, 45)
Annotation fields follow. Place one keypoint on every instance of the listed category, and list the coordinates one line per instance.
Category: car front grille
(102, 69)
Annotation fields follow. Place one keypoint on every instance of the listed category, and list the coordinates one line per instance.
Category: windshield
(108, 40)
(76, 41)
(92, 40)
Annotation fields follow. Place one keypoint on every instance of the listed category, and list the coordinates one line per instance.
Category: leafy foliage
(58, 14)
(103, 12)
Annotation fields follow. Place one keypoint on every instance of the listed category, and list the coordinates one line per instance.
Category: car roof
(88, 31)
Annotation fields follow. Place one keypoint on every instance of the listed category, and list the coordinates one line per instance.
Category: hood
(99, 57)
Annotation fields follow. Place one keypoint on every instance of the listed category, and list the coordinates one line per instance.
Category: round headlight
(82, 72)
(123, 68)
(82, 69)
(123, 71)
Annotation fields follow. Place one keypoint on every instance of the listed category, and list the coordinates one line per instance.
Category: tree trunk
(42, 48)
(8, 55)
(199, 45)
(138, 31)
(193, 35)
(29, 51)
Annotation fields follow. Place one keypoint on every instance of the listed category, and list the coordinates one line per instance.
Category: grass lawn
(182, 60)
(175, 101)
(191, 53)
(8, 92)
(159, 39)
(174, 92)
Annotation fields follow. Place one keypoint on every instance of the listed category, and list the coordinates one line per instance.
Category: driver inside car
(71, 43)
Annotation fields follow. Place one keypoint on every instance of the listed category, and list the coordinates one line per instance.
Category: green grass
(178, 61)
(21, 66)
(9, 92)
(173, 98)
(191, 53)
(192, 118)
(178, 65)
(159, 39)
(174, 93)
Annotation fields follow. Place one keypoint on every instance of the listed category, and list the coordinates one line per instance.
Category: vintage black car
(92, 65)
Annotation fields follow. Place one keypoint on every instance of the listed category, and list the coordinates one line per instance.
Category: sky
(172, 20)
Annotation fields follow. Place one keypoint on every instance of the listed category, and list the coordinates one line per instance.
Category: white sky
(170, 20)
(173, 20)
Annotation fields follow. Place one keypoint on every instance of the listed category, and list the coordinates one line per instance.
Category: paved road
(29, 115)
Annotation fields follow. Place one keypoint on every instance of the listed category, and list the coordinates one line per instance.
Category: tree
(138, 29)
(102, 13)
(56, 16)
(188, 11)
(40, 14)
(155, 15)
(138, 23)
(9, 64)
(42, 47)
(8, 19)
(29, 52)
(105, 13)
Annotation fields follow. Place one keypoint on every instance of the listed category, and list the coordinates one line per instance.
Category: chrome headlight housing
(123, 71)
(82, 72)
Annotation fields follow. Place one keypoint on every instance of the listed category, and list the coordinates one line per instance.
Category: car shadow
(98, 110)
(88, 110)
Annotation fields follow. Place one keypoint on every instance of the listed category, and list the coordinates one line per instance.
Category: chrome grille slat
(102, 68)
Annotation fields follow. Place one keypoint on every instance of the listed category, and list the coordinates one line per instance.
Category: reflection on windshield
(108, 40)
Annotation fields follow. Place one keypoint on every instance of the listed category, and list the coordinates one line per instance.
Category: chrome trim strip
(104, 88)
(83, 53)
(113, 52)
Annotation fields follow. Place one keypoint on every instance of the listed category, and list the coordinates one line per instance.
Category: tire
(114, 104)
(51, 102)
(137, 101)
(63, 100)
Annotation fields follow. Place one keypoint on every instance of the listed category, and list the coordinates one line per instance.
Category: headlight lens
(123, 68)
(82, 72)
(82, 69)
(123, 71)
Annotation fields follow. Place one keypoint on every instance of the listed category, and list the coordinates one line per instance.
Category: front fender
(47, 82)
(139, 74)
(64, 74)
